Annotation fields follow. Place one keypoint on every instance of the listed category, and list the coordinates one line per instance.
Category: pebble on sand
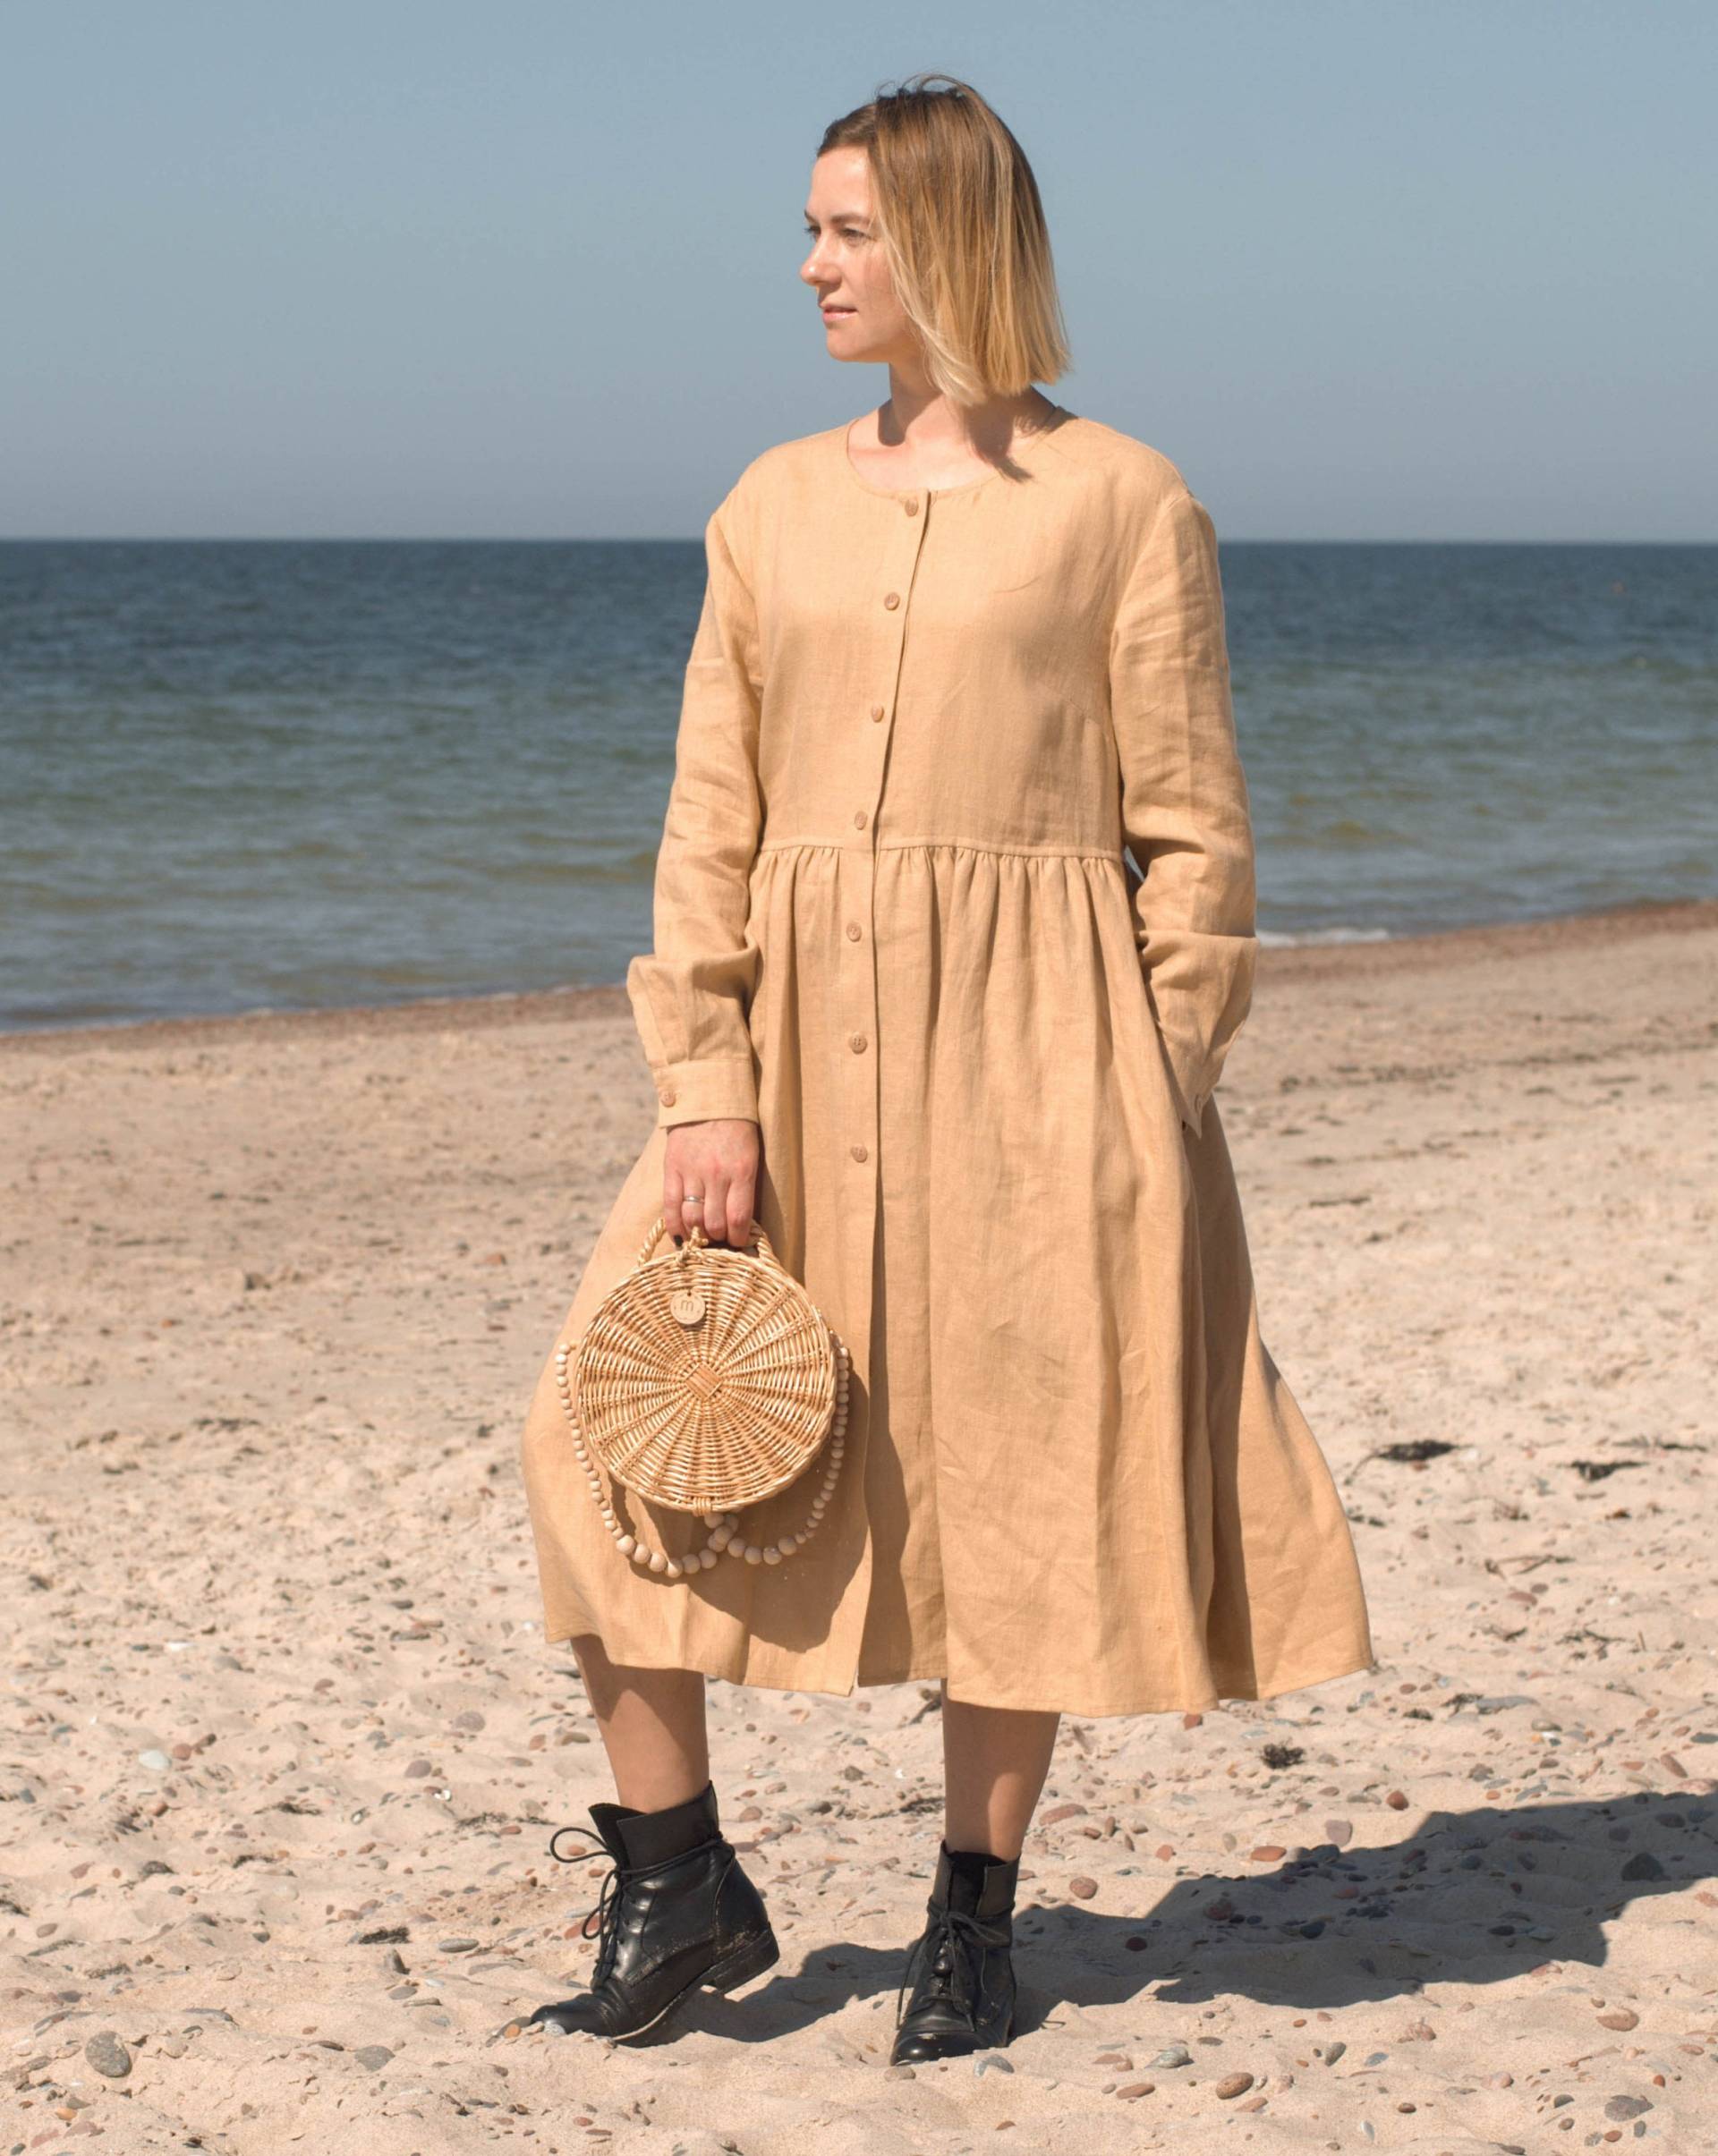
(1234, 2084)
(1082, 1887)
(107, 2055)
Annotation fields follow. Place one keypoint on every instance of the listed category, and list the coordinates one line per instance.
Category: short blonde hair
(963, 229)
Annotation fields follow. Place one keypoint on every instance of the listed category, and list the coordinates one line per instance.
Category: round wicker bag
(708, 1379)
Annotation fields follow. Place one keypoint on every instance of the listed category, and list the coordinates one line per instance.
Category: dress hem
(1348, 1666)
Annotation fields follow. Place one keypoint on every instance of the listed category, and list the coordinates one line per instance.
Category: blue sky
(1390, 271)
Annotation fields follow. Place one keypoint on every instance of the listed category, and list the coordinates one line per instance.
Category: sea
(243, 775)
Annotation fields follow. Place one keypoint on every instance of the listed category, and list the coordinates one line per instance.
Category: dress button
(853, 932)
(859, 818)
(860, 1153)
(858, 1044)
(668, 1098)
(877, 710)
(913, 505)
(891, 598)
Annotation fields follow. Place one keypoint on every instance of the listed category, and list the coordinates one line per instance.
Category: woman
(911, 1002)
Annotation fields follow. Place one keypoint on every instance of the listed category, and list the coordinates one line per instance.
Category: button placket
(855, 1016)
(858, 1004)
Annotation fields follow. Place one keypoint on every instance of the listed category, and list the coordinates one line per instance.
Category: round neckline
(903, 493)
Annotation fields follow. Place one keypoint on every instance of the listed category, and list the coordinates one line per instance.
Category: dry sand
(284, 1744)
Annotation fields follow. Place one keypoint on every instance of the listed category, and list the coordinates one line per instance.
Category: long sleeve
(692, 995)
(1185, 811)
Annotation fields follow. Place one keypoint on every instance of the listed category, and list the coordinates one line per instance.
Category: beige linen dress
(895, 922)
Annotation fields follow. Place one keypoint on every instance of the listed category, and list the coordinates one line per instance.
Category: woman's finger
(714, 1211)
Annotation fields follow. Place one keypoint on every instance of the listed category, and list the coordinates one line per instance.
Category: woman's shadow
(1475, 1897)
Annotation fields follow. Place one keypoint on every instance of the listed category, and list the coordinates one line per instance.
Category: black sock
(656, 1837)
(969, 1864)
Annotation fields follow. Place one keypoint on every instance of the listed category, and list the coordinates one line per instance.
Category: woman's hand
(717, 1161)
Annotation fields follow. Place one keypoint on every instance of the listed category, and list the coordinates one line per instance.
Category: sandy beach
(283, 1745)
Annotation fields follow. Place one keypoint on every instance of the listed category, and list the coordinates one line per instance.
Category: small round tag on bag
(687, 1305)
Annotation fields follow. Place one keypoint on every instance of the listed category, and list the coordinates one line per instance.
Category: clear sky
(1362, 268)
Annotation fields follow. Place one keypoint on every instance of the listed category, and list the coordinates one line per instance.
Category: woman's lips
(829, 313)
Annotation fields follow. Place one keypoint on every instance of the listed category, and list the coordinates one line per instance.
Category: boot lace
(954, 1944)
(606, 1915)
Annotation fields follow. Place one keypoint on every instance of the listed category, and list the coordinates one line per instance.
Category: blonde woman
(953, 929)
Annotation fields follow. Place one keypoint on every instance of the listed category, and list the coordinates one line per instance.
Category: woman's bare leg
(995, 1760)
(652, 1726)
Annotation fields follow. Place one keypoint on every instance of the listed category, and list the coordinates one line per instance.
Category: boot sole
(739, 1965)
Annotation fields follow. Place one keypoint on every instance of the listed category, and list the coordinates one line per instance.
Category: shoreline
(1278, 962)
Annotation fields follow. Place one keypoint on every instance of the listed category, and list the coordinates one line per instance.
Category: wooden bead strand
(726, 1536)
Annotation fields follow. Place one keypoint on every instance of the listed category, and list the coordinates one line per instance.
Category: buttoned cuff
(708, 1087)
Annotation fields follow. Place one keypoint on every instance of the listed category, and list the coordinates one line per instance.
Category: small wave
(1277, 937)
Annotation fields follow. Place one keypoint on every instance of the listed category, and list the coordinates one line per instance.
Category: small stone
(899, 2074)
(1171, 2055)
(1084, 1888)
(420, 1767)
(1626, 2107)
(1333, 2051)
(372, 2057)
(1267, 1853)
(1233, 2084)
(157, 1762)
(1396, 1801)
(1644, 1866)
(107, 2055)
(1419, 2032)
(1619, 2018)
(1500, 2081)
(1339, 1830)
(456, 1946)
(1132, 2091)
(1058, 1812)
(470, 1719)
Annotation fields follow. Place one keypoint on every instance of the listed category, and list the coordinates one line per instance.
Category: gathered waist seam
(943, 845)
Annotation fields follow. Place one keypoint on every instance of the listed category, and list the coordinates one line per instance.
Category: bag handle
(697, 1239)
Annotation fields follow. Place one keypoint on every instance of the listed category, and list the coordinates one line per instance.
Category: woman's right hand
(718, 1161)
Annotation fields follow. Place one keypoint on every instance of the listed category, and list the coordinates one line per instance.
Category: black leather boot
(677, 1912)
(963, 1997)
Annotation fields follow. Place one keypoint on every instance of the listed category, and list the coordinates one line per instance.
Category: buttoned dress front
(955, 898)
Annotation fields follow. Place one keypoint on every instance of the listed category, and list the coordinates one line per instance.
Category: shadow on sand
(1474, 1896)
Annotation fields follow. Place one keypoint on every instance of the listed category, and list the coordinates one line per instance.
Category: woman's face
(861, 318)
